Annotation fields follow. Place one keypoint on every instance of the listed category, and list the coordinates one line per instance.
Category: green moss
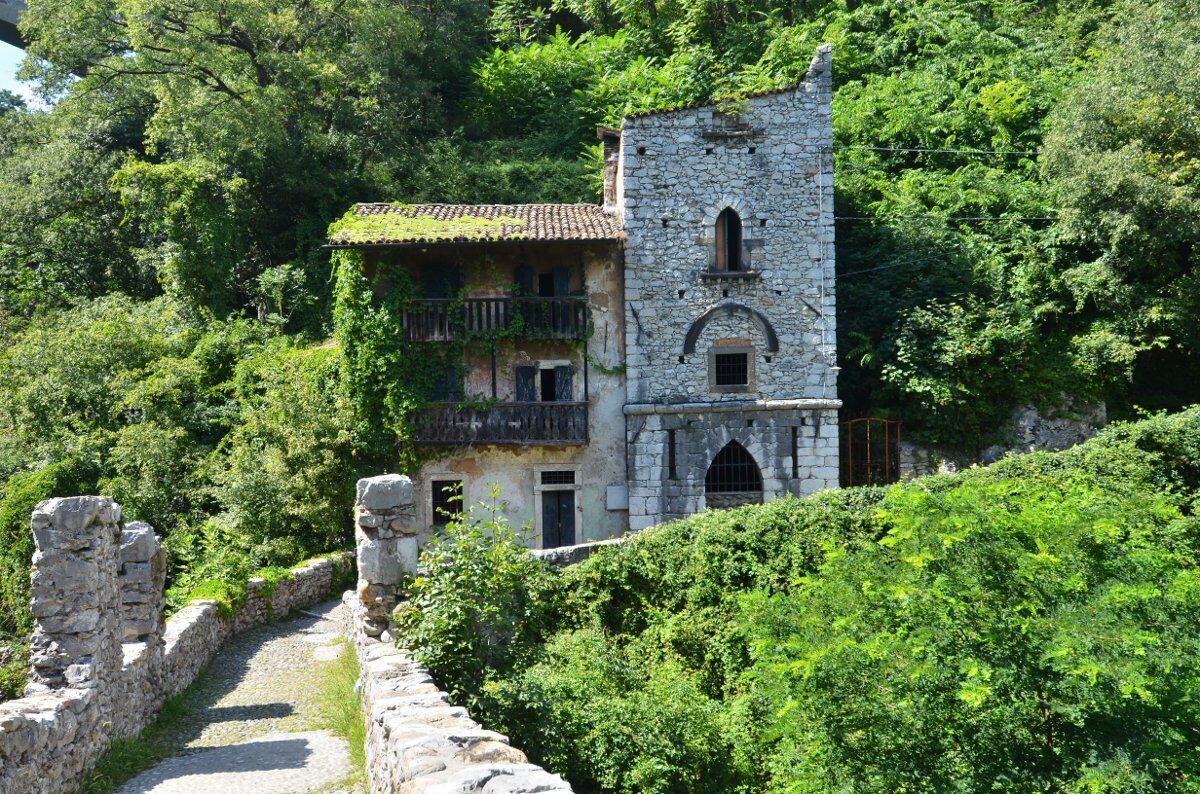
(354, 228)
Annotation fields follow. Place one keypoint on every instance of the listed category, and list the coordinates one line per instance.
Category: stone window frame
(746, 215)
(432, 520)
(751, 354)
(538, 489)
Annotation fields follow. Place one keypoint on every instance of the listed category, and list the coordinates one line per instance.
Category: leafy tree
(256, 122)
(1123, 158)
(1020, 634)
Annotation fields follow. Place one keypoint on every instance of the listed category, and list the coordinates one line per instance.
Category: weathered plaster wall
(103, 658)
(769, 158)
(516, 470)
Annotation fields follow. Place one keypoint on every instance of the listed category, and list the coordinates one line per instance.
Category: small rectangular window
(795, 452)
(446, 501)
(558, 478)
(671, 467)
(731, 369)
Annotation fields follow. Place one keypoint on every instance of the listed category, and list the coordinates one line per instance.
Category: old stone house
(669, 350)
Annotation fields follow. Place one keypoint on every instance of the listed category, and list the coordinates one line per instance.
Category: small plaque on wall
(617, 497)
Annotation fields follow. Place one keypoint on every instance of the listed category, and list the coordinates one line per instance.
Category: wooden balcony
(542, 423)
(435, 320)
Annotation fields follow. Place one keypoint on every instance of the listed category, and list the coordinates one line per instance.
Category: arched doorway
(733, 478)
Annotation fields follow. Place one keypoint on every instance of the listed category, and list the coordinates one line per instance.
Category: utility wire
(871, 270)
(934, 216)
(1013, 152)
(918, 150)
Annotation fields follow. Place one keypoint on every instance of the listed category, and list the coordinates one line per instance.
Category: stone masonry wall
(416, 740)
(386, 535)
(769, 158)
(103, 660)
(769, 435)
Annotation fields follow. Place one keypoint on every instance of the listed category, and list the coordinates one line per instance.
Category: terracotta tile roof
(409, 224)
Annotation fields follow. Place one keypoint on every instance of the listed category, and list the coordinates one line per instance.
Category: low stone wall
(563, 556)
(417, 742)
(95, 583)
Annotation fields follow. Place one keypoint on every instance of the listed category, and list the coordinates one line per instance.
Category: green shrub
(1024, 626)
(1024, 634)
(479, 601)
(13, 675)
(625, 717)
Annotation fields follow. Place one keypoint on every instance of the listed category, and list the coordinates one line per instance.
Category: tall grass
(339, 707)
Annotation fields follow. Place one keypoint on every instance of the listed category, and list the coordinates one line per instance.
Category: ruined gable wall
(768, 158)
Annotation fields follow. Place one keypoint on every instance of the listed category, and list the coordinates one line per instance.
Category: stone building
(669, 350)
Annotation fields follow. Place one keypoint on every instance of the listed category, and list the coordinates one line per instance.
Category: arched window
(729, 240)
(733, 478)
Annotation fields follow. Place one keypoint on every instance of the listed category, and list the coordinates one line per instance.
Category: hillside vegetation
(1030, 626)
(1017, 183)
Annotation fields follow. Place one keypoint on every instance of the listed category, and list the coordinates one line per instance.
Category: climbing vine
(387, 378)
(390, 379)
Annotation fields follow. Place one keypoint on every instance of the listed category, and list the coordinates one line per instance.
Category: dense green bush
(479, 601)
(1026, 626)
(1021, 634)
(234, 442)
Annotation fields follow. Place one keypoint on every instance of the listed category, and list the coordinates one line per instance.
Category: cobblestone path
(252, 720)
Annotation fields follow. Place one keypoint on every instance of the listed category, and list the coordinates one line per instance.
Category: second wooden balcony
(435, 320)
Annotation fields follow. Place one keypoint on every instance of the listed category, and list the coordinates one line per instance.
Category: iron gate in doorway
(870, 453)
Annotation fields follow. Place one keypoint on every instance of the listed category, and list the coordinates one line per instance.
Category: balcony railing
(433, 320)
(450, 424)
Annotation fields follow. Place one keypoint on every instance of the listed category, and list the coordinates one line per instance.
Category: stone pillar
(143, 577)
(386, 535)
(77, 622)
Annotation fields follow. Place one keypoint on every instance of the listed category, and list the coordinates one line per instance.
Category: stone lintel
(731, 406)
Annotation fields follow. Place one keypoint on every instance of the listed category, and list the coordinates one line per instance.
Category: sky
(10, 62)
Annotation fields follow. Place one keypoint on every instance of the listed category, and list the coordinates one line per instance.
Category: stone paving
(251, 726)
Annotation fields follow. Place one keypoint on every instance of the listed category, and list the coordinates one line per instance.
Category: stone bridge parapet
(417, 741)
(103, 659)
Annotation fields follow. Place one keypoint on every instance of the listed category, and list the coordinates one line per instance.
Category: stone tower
(729, 299)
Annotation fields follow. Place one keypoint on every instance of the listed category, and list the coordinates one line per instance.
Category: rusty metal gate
(870, 451)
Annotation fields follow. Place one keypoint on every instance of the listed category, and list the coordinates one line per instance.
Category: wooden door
(558, 519)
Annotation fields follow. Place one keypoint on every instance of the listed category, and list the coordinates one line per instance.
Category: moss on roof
(406, 224)
(411, 223)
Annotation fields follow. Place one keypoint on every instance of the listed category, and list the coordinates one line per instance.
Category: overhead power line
(1013, 152)
(934, 216)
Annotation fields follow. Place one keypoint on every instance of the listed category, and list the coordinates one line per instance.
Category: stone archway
(731, 309)
(733, 478)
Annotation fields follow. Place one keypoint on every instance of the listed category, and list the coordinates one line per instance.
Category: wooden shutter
(562, 282)
(564, 390)
(733, 233)
(526, 384)
(721, 264)
(524, 279)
